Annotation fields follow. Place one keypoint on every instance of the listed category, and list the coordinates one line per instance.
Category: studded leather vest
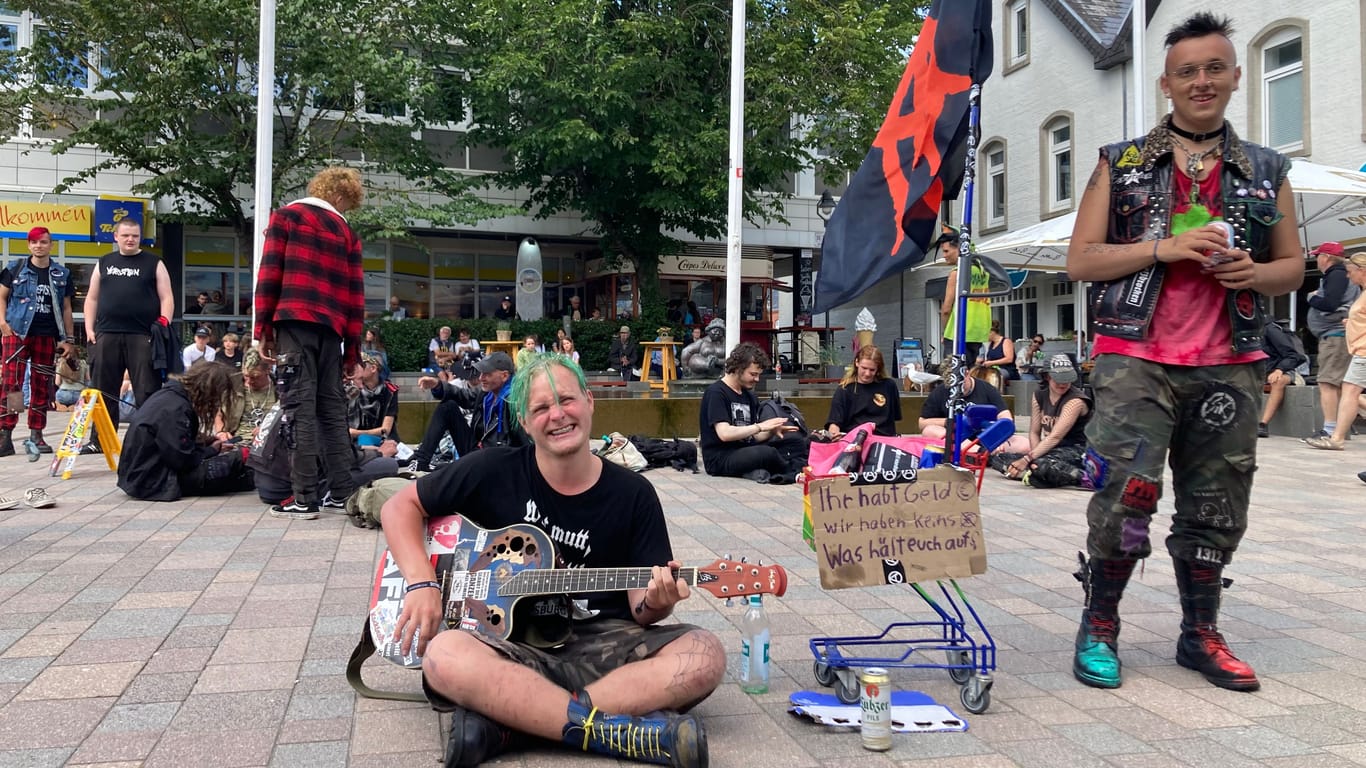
(1141, 209)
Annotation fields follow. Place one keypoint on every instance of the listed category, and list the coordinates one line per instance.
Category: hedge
(407, 340)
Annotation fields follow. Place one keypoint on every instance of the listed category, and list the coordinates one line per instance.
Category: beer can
(875, 703)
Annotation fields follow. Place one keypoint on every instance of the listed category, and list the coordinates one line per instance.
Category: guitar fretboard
(560, 580)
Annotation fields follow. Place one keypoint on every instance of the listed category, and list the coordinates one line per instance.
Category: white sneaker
(8, 502)
(38, 498)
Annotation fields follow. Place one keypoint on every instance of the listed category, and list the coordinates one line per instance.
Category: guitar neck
(556, 581)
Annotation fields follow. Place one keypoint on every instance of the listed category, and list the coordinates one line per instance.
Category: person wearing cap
(1350, 403)
(35, 320)
(493, 423)
(310, 304)
(979, 310)
(505, 310)
(199, 349)
(624, 354)
(1058, 413)
(1328, 306)
(1283, 357)
(1183, 233)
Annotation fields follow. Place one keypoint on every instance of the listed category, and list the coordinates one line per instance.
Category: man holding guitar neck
(616, 658)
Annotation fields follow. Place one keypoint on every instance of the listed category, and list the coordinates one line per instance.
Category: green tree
(619, 109)
(168, 89)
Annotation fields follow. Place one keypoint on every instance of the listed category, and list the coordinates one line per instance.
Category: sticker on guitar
(484, 574)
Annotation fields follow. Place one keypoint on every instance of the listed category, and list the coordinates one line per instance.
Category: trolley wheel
(976, 697)
(847, 691)
(824, 674)
(960, 666)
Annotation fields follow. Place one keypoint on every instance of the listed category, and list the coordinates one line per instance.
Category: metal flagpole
(958, 371)
(265, 130)
(737, 173)
(1139, 19)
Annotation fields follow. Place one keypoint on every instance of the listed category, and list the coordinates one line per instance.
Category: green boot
(1096, 660)
(662, 738)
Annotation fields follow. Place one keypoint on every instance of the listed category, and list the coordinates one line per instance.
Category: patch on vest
(1131, 158)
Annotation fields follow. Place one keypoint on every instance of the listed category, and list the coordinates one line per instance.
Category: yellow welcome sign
(66, 222)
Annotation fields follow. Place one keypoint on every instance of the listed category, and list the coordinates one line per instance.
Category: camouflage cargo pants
(1203, 421)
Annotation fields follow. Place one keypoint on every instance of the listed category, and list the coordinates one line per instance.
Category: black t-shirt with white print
(617, 523)
(720, 404)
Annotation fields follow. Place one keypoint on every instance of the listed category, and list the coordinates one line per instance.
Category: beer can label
(875, 703)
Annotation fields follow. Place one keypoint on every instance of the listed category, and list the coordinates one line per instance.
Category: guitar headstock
(729, 578)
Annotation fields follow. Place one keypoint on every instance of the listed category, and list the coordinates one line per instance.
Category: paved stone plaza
(206, 633)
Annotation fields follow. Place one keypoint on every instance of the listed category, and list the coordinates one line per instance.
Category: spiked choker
(1197, 137)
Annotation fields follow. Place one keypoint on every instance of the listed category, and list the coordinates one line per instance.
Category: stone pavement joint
(206, 633)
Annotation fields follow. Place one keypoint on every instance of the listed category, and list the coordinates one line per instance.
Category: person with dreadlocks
(170, 450)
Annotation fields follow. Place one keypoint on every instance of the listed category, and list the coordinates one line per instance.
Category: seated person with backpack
(1283, 356)
(1058, 414)
(866, 394)
(493, 423)
(735, 443)
(169, 451)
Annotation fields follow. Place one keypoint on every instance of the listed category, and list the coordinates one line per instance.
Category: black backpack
(679, 454)
(776, 406)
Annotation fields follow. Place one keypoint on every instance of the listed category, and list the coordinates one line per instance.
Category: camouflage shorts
(1200, 420)
(594, 649)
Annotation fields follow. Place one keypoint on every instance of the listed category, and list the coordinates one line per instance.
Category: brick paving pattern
(206, 633)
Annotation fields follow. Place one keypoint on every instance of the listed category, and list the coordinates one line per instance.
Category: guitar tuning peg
(730, 603)
(727, 557)
(744, 559)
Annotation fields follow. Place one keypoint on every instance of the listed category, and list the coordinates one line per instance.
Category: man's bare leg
(1328, 401)
(1273, 400)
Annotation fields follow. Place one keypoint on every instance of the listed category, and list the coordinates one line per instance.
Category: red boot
(1201, 647)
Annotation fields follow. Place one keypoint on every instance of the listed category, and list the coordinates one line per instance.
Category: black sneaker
(474, 739)
(90, 449)
(333, 503)
(291, 509)
(1263, 431)
(1361, 476)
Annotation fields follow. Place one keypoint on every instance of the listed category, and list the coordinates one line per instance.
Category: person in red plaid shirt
(310, 304)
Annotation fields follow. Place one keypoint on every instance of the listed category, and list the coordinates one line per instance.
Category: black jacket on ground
(160, 445)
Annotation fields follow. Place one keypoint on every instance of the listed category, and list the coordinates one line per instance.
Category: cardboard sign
(896, 533)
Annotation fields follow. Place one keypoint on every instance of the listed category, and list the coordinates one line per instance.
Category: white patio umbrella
(1041, 246)
(1330, 203)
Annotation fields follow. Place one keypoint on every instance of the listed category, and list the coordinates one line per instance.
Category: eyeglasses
(1215, 70)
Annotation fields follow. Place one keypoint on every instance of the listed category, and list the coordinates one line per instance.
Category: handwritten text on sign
(880, 534)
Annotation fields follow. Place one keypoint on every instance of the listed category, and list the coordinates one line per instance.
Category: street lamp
(826, 206)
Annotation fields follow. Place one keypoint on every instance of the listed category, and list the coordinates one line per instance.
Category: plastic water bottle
(778, 370)
(754, 647)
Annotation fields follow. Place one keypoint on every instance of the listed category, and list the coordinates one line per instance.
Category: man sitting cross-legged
(618, 659)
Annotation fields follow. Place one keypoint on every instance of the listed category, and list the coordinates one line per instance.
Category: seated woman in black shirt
(1059, 412)
(865, 394)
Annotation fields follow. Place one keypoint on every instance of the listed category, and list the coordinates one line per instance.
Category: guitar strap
(366, 649)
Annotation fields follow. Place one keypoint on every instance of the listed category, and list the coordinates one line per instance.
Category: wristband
(420, 585)
(163, 322)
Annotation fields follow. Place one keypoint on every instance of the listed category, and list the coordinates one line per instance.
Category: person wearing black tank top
(129, 292)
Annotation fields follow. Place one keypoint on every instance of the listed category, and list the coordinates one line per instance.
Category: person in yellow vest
(979, 310)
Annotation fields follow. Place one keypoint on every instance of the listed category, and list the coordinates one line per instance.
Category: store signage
(108, 213)
(66, 222)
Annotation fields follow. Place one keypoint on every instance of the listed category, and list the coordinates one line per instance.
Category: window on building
(1058, 143)
(994, 202)
(216, 266)
(1017, 33)
(1283, 91)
